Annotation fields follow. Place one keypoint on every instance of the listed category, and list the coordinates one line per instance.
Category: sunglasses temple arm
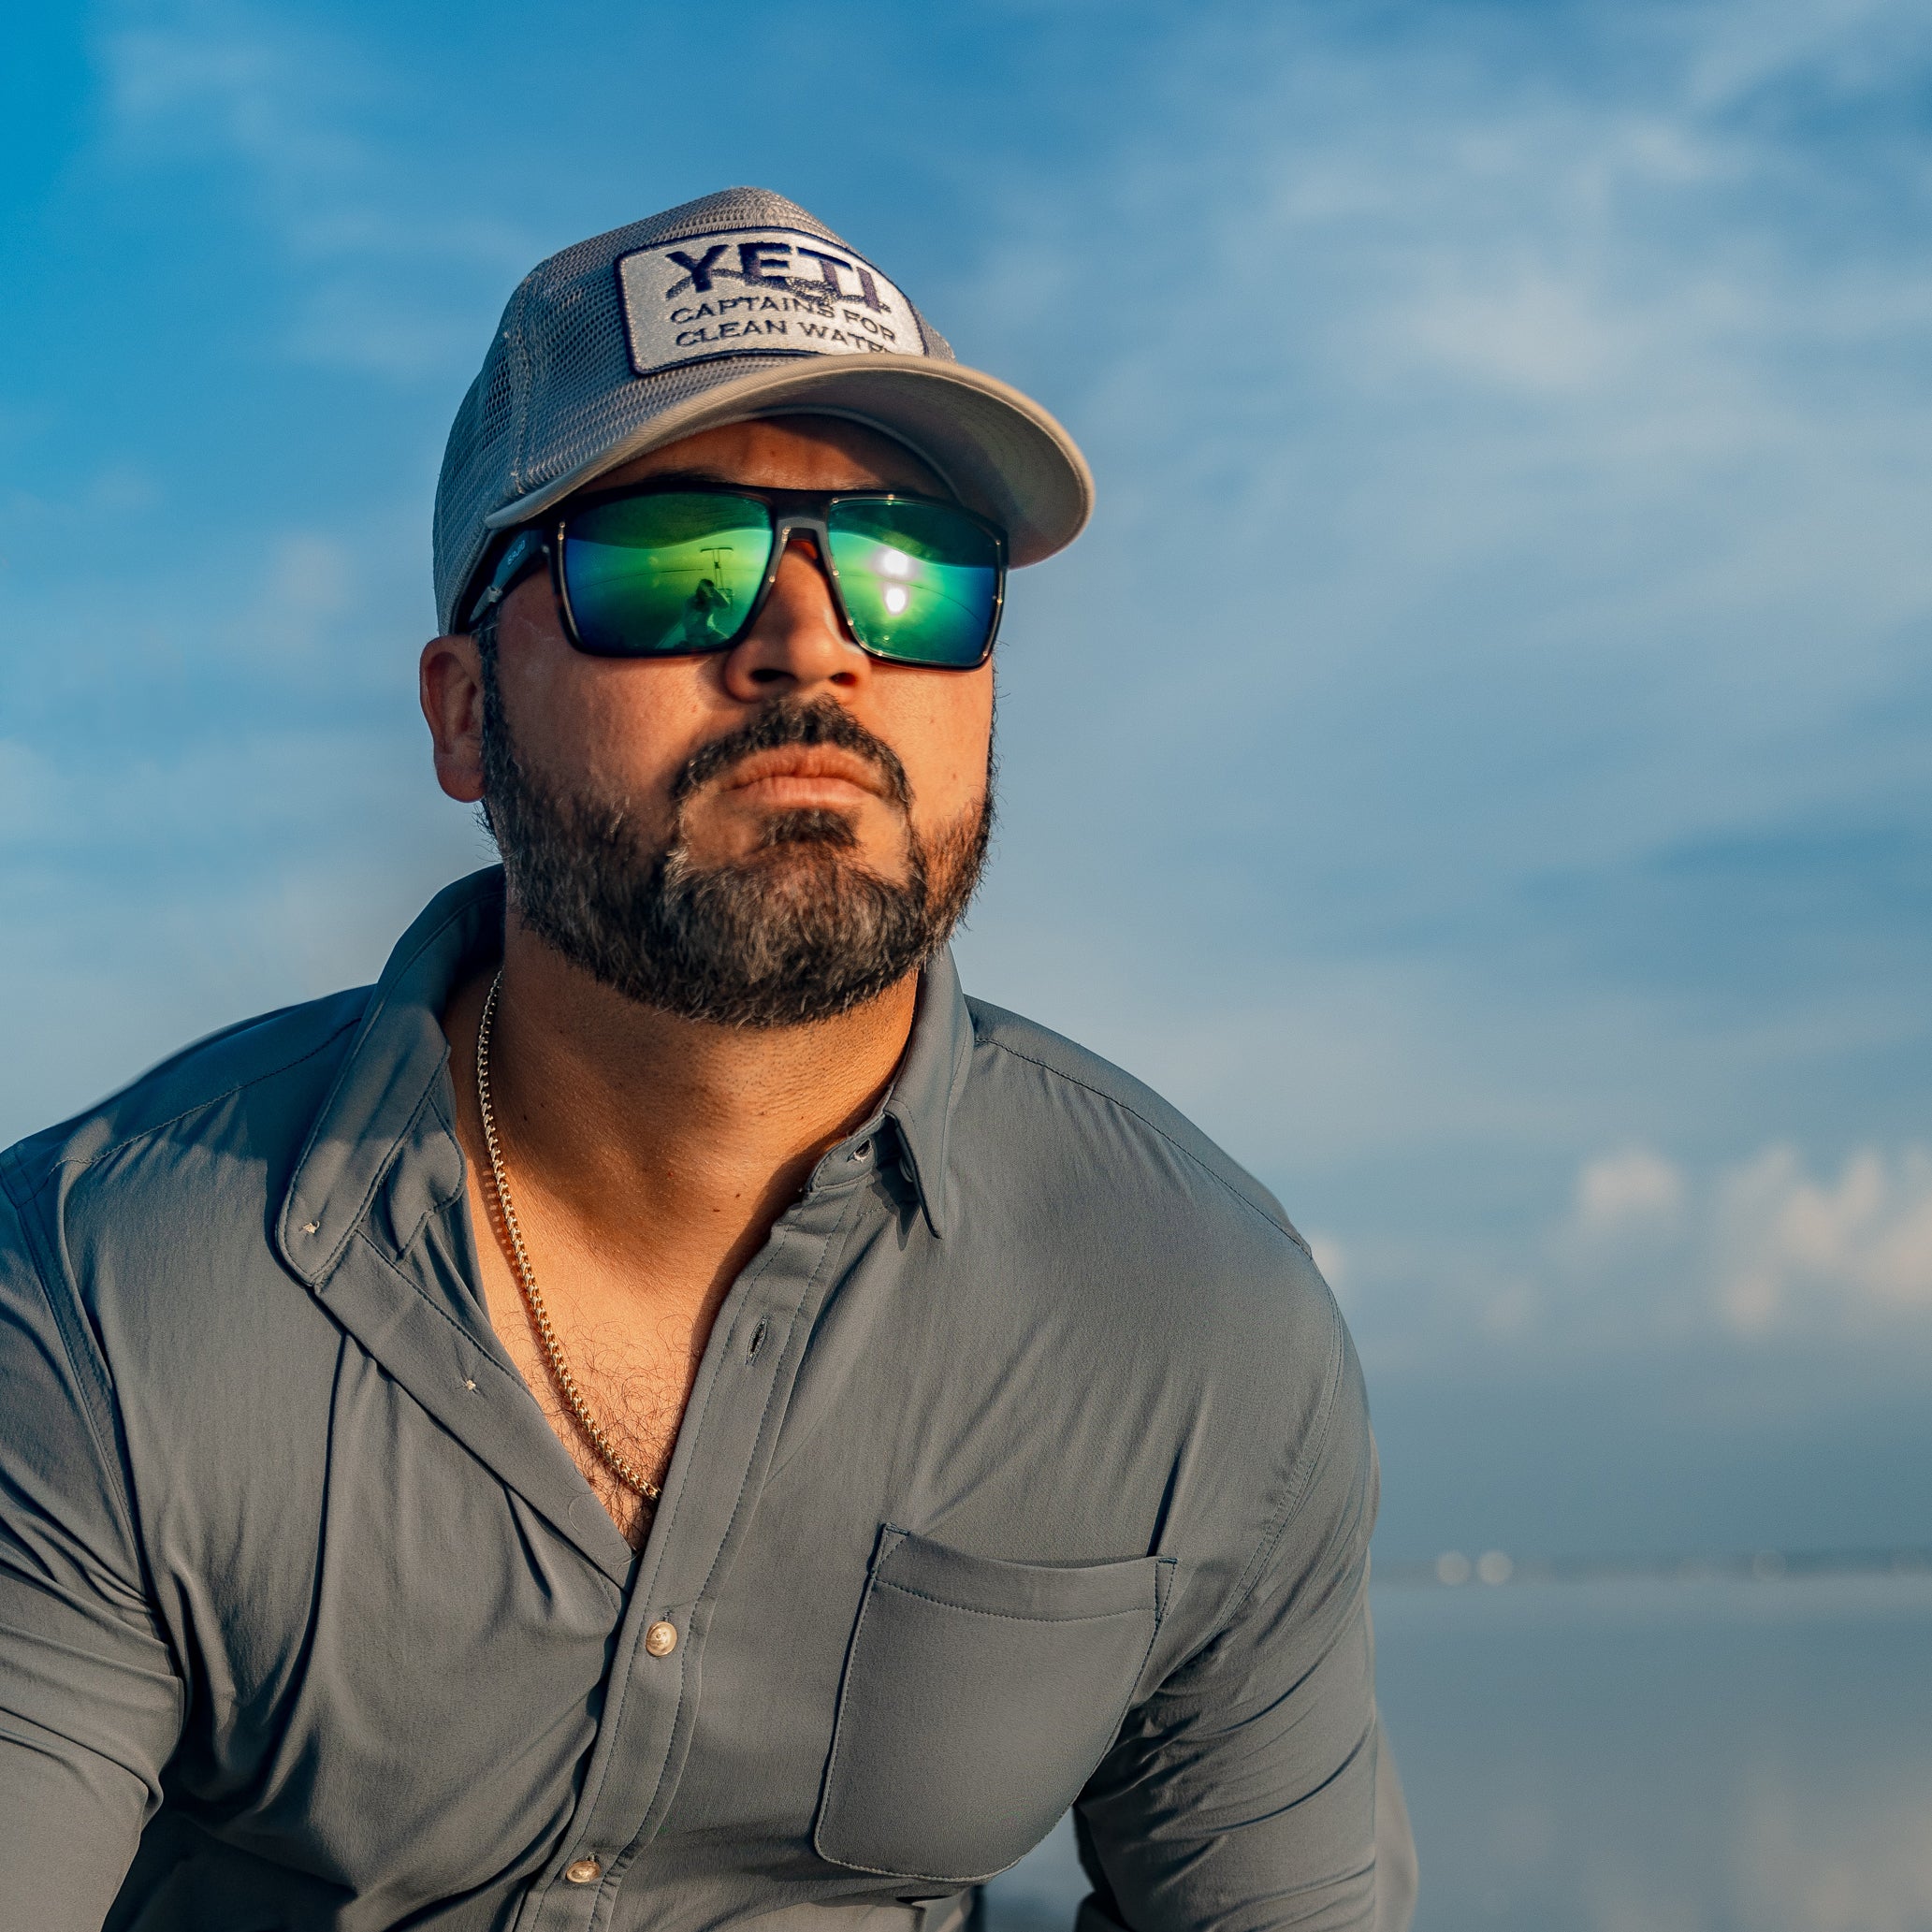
(525, 548)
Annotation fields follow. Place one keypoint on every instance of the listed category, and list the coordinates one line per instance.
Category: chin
(811, 827)
(804, 866)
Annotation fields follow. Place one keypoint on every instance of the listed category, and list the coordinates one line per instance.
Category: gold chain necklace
(621, 1466)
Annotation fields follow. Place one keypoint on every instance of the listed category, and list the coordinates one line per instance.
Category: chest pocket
(978, 1698)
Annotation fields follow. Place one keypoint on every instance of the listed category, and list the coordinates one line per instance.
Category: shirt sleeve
(89, 1701)
(1241, 1797)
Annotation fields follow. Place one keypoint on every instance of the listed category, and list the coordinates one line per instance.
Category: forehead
(790, 452)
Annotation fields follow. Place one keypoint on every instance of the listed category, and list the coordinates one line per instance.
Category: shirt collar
(397, 1058)
(930, 1079)
(394, 1061)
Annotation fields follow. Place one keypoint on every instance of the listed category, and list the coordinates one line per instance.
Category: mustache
(781, 725)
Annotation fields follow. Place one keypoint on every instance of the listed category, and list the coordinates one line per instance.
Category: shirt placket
(724, 1448)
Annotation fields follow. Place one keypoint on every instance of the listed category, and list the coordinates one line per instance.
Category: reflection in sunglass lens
(920, 581)
(657, 575)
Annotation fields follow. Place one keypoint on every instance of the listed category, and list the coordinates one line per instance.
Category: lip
(805, 774)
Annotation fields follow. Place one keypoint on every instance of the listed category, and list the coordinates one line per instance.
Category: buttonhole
(861, 1150)
(757, 1341)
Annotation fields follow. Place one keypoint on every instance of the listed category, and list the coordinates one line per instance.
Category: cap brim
(1001, 453)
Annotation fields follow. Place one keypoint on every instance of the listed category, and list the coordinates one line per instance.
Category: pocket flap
(1042, 1593)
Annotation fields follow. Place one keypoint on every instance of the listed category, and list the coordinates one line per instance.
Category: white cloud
(1653, 1256)
(1531, 330)
(1633, 1187)
(1758, 1248)
(1792, 1250)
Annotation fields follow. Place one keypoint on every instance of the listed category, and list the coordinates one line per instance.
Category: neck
(639, 1124)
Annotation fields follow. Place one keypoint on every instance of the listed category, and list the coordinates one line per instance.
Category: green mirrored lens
(920, 581)
(657, 575)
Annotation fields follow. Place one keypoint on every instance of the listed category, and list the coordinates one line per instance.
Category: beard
(799, 930)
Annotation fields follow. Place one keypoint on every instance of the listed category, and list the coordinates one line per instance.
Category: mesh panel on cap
(556, 392)
(479, 463)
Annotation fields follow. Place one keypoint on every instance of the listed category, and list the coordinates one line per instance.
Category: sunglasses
(680, 568)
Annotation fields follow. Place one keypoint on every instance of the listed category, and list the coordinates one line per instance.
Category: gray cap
(739, 304)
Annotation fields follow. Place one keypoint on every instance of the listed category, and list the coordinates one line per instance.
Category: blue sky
(1479, 761)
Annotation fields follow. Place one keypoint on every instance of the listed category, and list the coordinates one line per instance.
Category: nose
(798, 646)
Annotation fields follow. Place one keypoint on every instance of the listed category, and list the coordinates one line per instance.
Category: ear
(451, 680)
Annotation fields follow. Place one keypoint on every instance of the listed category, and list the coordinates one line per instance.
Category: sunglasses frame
(791, 511)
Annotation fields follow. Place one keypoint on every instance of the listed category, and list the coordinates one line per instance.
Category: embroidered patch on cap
(759, 292)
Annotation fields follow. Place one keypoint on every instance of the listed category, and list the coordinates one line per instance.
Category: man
(660, 1412)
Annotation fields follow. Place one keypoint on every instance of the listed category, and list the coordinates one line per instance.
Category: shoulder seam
(1293, 1233)
(209, 1100)
(1318, 1441)
(103, 1404)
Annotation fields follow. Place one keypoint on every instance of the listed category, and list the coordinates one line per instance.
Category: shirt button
(583, 1871)
(660, 1639)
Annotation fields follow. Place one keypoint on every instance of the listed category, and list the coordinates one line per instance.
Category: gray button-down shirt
(1027, 1466)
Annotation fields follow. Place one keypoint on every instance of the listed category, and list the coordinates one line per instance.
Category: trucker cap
(738, 304)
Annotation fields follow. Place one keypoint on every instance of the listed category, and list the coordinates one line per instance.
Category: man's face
(762, 835)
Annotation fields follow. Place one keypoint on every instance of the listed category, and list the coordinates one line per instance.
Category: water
(1644, 1756)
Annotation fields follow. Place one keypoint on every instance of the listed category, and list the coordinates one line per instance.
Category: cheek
(941, 734)
(613, 728)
